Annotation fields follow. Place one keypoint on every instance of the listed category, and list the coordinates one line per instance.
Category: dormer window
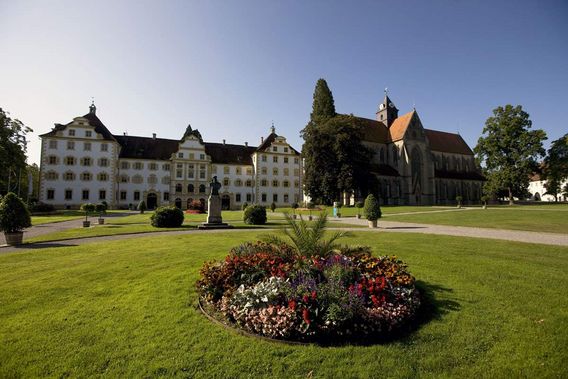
(274, 148)
(285, 149)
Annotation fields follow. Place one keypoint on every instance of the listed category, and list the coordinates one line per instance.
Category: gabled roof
(447, 142)
(269, 140)
(399, 126)
(229, 154)
(93, 120)
(373, 130)
(146, 147)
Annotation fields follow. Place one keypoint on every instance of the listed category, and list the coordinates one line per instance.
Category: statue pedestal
(214, 219)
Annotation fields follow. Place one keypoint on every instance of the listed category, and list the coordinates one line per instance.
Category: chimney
(153, 135)
(246, 144)
(223, 142)
(261, 140)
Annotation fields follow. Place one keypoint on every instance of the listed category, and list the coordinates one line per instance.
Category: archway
(225, 202)
(537, 196)
(151, 200)
(178, 203)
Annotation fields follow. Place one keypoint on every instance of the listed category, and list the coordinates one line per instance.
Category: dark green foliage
(295, 206)
(255, 215)
(244, 206)
(13, 146)
(323, 105)
(372, 208)
(14, 214)
(88, 208)
(167, 217)
(508, 151)
(359, 204)
(273, 206)
(307, 239)
(335, 160)
(142, 206)
(556, 166)
(101, 208)
(42, 208)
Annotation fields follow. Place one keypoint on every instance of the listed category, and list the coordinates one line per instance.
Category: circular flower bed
(341, 293)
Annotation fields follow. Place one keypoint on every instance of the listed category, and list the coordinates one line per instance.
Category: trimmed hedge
(167, 217)
(372, 208)
(255, 215)
(14, 214)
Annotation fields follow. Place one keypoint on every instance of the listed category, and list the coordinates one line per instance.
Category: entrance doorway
(151, 200)
(225, 202)
(178, 203)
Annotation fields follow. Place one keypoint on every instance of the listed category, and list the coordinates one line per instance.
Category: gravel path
(384, 226)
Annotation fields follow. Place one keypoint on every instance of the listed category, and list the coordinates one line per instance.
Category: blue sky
(231, 67)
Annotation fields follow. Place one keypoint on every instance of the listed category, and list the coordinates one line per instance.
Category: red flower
(305, 298)
(314, 294)
(306, 316)
(292, 305)
(375, 300)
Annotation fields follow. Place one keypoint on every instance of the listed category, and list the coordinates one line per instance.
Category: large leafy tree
(508, 151)
(555, 169)
(335, 161)
(13, 146)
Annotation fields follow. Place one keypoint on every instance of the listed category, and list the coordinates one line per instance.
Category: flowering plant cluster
(277, 292)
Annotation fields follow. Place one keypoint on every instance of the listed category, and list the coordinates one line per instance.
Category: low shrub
(244, 206)
(88, 208)
(42, 208)
(142, 206)
(198, 206)
(255, 215)
(273, 207)
(167, 217)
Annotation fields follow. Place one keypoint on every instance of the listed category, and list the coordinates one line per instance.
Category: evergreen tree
(508, 151)
(323, 106)
(335, 160)
(556, 166)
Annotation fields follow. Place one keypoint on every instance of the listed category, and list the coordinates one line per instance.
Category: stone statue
(215, 186)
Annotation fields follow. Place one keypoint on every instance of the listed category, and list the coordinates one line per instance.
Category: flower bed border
(247, 334)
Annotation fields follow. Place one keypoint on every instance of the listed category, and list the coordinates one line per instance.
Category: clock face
(391, 105)
(381, 106)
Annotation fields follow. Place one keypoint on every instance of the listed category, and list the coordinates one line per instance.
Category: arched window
(202, 188)
(51, 175)
(86, 176)
(238, 183)
(190, 188)
(69, 176)
(178, 189)
(226, 182)
(416, 165)
(102, 176)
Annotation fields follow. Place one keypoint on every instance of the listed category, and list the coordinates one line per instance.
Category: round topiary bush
(309, 289)
(255, 215)
(14, 214)
(372, 208)
(167, 217)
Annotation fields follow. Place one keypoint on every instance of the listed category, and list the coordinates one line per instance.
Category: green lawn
(128, 309)
(60, 216)
(518, 218)
(352, 211)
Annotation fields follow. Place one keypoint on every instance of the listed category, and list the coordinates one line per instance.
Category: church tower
(387, 112)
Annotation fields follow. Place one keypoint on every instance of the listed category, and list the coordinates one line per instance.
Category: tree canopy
(555, 169)
(508, 151)
(335, 160)
(13, 146)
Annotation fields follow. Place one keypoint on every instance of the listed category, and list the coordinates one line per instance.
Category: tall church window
(178, 187)
(190, 188)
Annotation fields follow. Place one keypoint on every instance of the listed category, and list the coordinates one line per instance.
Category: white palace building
(82, 161)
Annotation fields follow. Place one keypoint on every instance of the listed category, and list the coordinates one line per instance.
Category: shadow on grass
(41, 245)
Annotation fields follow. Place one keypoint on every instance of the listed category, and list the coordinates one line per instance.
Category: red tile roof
(447, 142)
(399, 126)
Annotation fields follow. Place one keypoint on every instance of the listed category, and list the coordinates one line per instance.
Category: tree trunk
(510, 196)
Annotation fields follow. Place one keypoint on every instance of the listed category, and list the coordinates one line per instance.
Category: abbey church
(418, 166)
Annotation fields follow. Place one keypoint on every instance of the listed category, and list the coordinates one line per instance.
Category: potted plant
(14, 218)
(310, 206)
(142, 206)
(338, 207)
(87, 208)
(101, 208)
(459, 201)
(294, 207)
(372, 210)
(484, 200)
(359, 205)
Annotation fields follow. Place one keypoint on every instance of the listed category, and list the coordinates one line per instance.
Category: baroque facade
(418, 166)
(82, 161)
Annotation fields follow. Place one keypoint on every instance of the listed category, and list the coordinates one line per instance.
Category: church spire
(92, 107)
(387, 111)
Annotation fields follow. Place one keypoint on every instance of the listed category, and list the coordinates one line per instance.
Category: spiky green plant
(307, 238)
